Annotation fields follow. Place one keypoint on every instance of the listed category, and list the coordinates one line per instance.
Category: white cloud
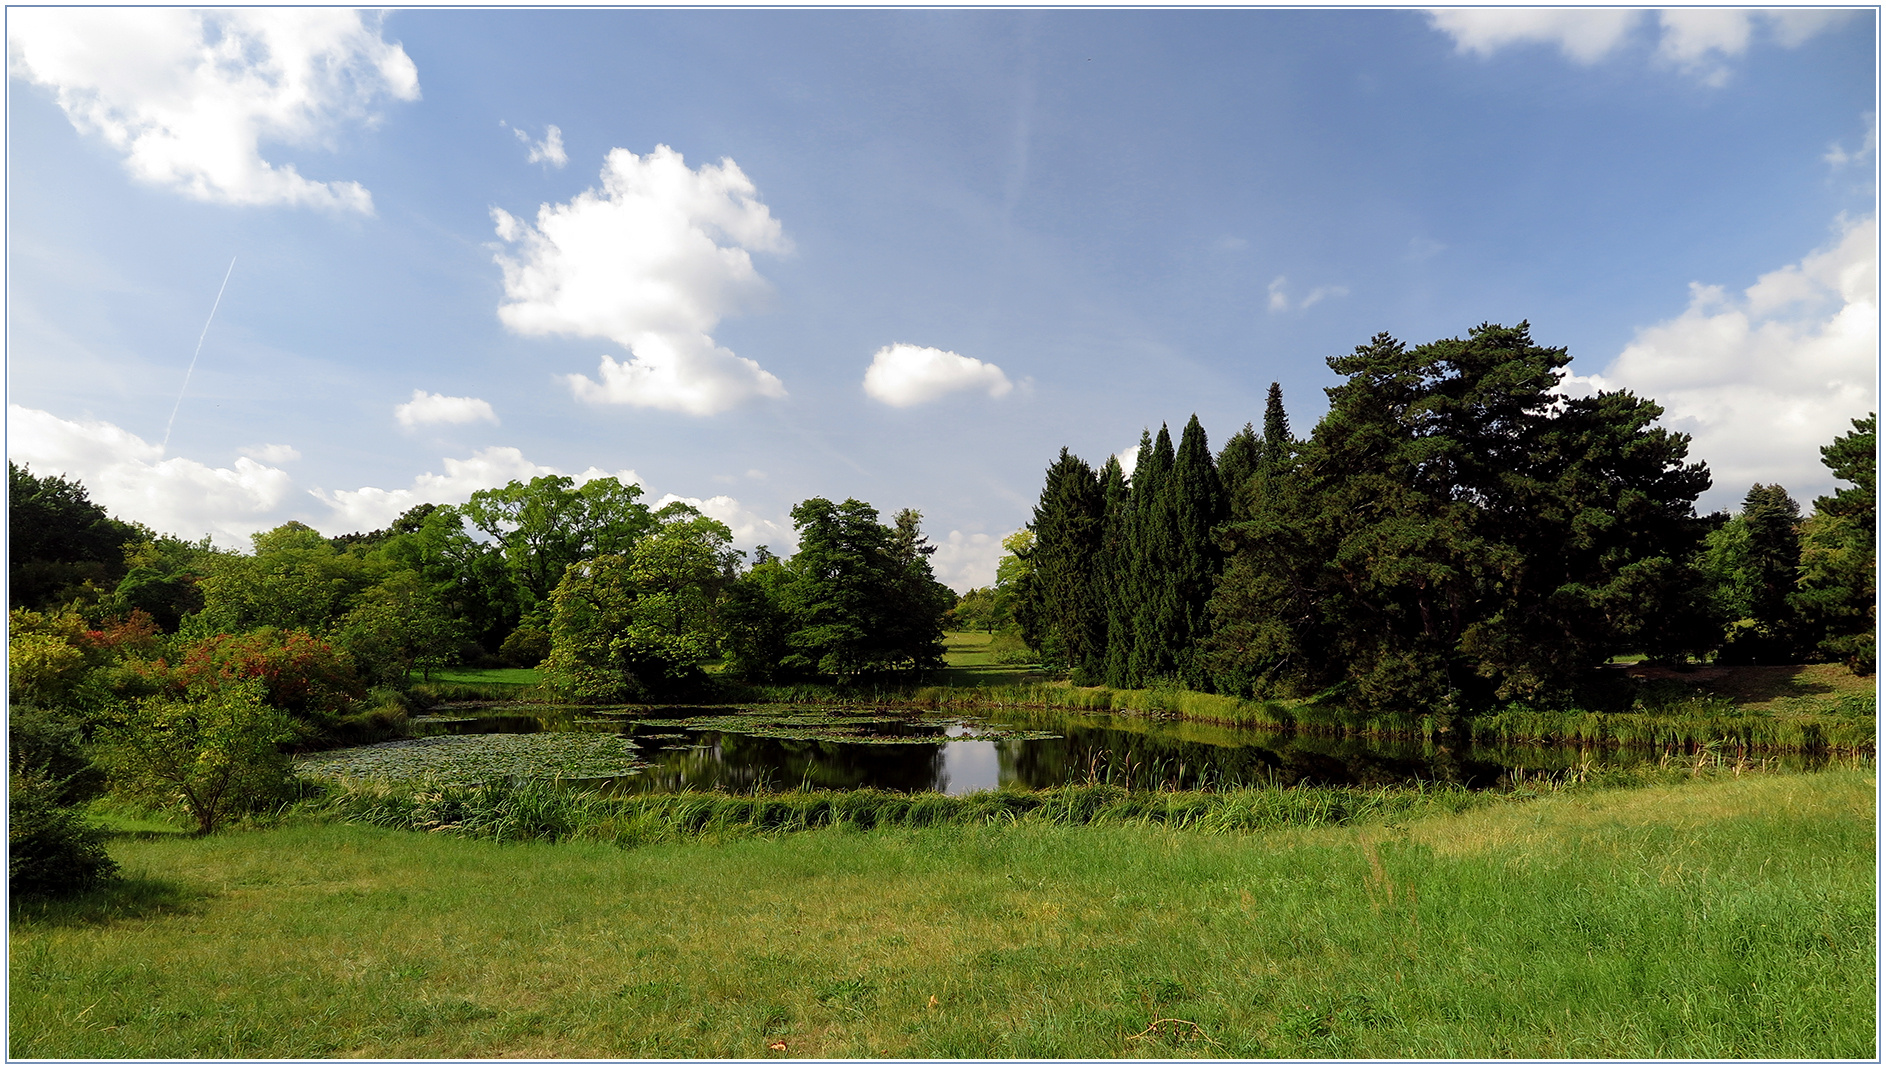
(963, 562)
(1280, 297)
(549, 150)
(1838, 157)
(371, 507)
(1278, 301)
(438, 408)
(188, 96)
(1763, 381)
(749, 528)
(270, 453)
(1698, 41)
(641, 263)
(1585, 35)
(1129, 459)
(133, 480)
(902, 375)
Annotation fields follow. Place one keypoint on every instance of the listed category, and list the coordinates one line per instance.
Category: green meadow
(1693, 915)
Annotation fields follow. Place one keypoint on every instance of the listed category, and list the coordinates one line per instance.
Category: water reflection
(695, 749)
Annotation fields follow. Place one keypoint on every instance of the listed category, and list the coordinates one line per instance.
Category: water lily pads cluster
(456, 759)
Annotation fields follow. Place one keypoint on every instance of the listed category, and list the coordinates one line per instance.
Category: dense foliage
(1455, 533)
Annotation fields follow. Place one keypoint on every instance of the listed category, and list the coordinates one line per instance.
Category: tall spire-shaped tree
(1277, 443)
(1110, 568)
(1242, 455)
(1196, 500)
(1061, 615)
(1153, 550)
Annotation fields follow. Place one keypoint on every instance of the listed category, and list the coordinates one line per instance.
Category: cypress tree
(1197, 503)
(1153, 550)
(1242, 455)
(1110, 565)
(1061, 616)
(1774, 549)
(1278, 444)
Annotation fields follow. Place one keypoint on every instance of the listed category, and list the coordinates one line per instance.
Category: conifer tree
(1836, 594)
(1242, 455)
(1109, 568)
(1062, 615)
(1196, 500)
(1277, 444)
(1152, 548)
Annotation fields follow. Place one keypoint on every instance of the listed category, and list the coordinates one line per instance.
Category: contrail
(193, 356)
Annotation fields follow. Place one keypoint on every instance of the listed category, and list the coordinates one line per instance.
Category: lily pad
(453, 759)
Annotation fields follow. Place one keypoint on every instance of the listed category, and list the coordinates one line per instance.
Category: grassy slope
(1719, 918)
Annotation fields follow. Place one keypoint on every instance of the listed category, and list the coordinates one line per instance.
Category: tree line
(1454, 533)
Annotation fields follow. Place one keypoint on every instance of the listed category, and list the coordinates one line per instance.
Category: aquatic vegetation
(467, 759)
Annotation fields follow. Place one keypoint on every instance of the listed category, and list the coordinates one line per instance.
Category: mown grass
(1717, 917)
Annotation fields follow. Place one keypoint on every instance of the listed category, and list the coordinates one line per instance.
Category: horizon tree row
(1453, 533)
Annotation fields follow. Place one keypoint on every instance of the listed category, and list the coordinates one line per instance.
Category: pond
(956, 752)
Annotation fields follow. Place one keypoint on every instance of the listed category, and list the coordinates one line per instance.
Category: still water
(784, 748)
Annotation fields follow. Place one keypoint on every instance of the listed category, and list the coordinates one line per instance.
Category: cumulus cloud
(132, 478)
(1763, 379)
(902, 375)
(749, 528)
(1129, 459)
(549, 150)
(438, 408)
(963, 562)
(187, 96)
(372, 507)
(1585, 35)
(1697, 41)
(651, 261)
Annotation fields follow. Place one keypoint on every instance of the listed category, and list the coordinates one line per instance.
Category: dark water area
(787, 748)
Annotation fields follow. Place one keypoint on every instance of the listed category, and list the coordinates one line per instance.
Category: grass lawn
(970, 660)
(1717, 918)
(488, 677)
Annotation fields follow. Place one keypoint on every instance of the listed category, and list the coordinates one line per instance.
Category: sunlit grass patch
(1722, 920)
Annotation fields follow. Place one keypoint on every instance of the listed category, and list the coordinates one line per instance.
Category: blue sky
(903, 256)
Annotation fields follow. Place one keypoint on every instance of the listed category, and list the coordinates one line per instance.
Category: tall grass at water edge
(535, 810)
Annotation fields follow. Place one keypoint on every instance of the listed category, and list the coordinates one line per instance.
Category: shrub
(212, 758)
(300, 673)
(50, 746)
(42, 668)
(50, 850)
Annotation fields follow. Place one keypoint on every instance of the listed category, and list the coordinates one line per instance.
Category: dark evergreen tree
(1277, 444)
(1125, 570)
(1062, 611)
(1108, 661)
(1836, 596)
(1455, 532)
(1242, 455)
(1153, 551)
(856, 598)
(1771, 557)
(1196, 500)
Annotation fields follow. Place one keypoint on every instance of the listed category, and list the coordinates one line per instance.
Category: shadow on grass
(1756, 684)
(129, 898)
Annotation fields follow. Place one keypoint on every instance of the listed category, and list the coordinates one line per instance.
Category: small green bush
(50, 849)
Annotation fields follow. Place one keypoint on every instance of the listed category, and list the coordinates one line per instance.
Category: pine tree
(1062, 615)
(1836, 594)
(1152, 551)
(1197, 502)
(1109, 574)
(1277, 445)
(1774, 553)
(1242, 455)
